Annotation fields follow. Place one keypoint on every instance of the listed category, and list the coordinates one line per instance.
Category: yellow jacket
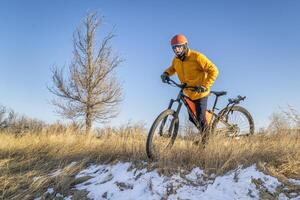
(195, 70)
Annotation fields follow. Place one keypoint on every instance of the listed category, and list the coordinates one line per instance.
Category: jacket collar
(188, 53)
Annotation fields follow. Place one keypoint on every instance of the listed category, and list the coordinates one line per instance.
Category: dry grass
(24, 158)
(38, 155)
(281, 151)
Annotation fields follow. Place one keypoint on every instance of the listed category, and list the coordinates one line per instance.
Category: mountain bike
(232, 121)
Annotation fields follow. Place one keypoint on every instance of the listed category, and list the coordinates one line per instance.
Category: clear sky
(255, 45)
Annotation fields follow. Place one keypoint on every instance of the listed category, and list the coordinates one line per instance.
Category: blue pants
(201, 106)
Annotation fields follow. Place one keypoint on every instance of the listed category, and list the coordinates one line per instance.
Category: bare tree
(90, 91)
(279, 123)
(2, 116)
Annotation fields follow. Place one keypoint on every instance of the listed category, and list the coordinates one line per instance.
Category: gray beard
(181, 57)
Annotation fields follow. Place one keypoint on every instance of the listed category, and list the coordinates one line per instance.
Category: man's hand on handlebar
(165, 77)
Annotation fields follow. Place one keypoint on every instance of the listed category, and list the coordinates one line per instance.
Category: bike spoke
(243, 124)
(234, 124)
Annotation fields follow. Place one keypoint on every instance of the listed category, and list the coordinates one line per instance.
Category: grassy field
(28, 162)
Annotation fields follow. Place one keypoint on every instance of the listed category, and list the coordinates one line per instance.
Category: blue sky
(255, 45)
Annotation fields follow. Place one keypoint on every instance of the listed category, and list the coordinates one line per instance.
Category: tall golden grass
(24, 158)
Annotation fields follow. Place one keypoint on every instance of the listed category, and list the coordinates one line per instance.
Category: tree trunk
(88, 122)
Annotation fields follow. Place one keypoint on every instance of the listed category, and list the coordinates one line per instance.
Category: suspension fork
(173, 120)
(232, 103)
(227, 110)
(229, 107)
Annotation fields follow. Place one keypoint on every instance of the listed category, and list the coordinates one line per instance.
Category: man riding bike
(193, 69)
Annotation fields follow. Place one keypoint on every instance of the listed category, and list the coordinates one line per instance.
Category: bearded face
(179, 50)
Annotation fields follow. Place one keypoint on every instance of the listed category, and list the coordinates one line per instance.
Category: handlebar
(237, 100)
(182, 86)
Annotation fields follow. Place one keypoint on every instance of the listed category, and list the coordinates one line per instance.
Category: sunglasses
(177, 46)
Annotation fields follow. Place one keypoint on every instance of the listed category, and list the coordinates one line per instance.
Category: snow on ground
(122, 181)
(294, 181)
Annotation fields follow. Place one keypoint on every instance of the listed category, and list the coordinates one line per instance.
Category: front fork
(174, 120)
(224, 117)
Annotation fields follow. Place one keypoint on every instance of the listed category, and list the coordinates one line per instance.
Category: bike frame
(181, 100)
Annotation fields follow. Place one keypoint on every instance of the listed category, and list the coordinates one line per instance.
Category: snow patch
(295, 182)
(121, 181)
(50, 190)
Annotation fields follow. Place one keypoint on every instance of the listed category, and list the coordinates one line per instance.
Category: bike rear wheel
(235, 123)
(162, 134)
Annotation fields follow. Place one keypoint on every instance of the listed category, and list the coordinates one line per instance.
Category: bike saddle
(220, 93)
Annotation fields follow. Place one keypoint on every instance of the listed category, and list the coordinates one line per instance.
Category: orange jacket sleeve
(171, 70)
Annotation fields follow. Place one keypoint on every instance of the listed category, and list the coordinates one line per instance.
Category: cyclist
(194, 69)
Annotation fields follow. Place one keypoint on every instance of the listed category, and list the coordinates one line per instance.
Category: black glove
(164, 77)
(200, 89)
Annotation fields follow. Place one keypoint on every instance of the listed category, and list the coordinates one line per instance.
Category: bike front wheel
(162, 134)
(234, 123)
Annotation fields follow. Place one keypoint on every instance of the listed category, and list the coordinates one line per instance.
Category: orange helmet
(178, 40)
